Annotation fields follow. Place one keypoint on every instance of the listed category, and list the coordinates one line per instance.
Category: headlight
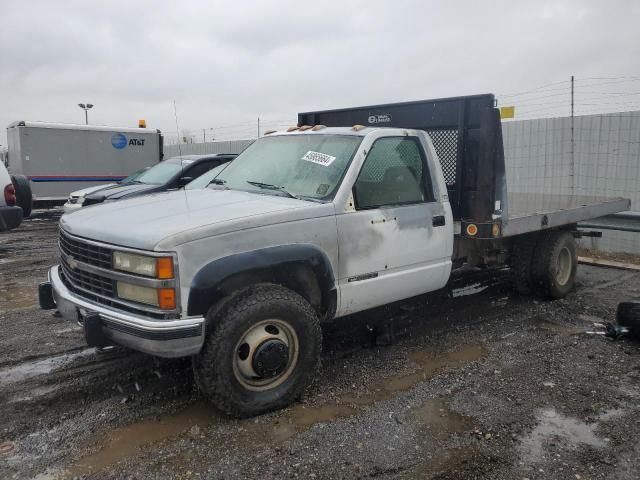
(157, 267)
(164, 298)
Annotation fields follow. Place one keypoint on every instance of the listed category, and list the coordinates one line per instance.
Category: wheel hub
(266, 354)
(270, 358)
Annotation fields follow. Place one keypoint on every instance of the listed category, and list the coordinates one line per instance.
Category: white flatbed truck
(329, 218)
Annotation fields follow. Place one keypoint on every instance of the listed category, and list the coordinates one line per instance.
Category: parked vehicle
(10, 212)
(207, 179)
(326, 219)
(76, 199)
(171, 174)
(59, 158)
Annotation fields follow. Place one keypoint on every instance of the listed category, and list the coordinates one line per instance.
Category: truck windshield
(309, 165)
(134, 176)
(162, 172)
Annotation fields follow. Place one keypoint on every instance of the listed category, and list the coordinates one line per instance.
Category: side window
(394, 173)
(199, 169)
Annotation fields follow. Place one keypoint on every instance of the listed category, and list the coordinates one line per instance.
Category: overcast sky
(226, 63)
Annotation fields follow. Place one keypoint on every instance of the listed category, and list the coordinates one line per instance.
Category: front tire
(262, 348)
(554, 265)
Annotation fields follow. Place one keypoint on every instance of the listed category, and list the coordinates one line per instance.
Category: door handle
(438, 221)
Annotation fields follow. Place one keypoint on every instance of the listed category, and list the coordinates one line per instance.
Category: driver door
(397, 243)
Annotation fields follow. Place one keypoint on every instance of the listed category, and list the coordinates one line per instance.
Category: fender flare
(206, 286)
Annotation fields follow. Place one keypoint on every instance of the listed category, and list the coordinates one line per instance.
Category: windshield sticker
(322, 189)
(319, 158)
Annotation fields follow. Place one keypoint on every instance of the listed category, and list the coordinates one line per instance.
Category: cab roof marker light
(292, 129)
(269, 132)
(305, 127)
(318, 127)
(357, 128)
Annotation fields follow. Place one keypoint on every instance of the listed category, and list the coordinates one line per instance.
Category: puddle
(301, 417)
(566, 330)
(468, 290)
(34, 393)
(551, 424)
(436, 417)
(14, 296)
(124, 442)
(611, 414)
(26, 370)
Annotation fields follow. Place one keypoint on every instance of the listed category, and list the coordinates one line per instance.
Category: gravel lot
(471, 382)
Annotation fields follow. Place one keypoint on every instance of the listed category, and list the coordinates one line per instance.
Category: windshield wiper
(268, 186)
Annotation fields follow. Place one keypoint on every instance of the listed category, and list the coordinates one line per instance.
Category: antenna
(175, 114)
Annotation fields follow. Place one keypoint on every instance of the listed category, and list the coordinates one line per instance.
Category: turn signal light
(164, 268)
(167, 298)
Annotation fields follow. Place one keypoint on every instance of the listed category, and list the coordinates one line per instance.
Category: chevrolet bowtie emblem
(73, 263)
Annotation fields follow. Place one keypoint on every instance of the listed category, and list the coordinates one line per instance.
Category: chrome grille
(85, 252)
(88, 281)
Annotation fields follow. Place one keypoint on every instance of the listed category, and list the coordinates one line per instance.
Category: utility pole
(573, 144)
(204, 136)
(258, 127)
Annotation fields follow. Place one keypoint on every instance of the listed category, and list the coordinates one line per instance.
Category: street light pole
(86, 108)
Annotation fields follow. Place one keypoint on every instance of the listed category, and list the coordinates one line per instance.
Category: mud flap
(93, 331)
(45, 296)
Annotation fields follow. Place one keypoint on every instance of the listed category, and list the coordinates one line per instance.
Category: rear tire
(628, 315)
(554, 265)
(24, 197)
(261, 350)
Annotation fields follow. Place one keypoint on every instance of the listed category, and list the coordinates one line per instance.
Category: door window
(199, 169)
(394, 173)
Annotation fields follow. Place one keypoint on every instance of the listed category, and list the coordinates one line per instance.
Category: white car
(10, 213)
(76, 199)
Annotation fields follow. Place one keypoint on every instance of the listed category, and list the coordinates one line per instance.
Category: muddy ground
(471, 382)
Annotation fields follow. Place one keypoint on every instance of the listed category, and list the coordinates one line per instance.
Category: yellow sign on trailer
(507, 112)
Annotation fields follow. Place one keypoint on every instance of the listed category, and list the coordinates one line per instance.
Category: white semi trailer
(60, 158)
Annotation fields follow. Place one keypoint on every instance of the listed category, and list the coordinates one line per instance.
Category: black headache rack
(467, 136)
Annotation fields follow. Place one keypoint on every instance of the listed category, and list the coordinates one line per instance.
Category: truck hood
(178, 217)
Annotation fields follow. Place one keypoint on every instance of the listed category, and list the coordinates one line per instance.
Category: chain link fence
(596, 155)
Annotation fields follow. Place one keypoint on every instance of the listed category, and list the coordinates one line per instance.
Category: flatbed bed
(530, 212)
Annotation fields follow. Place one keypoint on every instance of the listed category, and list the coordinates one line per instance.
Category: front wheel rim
(564, 266)
(266, 355)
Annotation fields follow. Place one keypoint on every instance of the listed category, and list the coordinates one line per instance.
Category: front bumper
(164, 338)
(10, 218)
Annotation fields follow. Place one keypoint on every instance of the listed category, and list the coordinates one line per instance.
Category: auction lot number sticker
(319, 158)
